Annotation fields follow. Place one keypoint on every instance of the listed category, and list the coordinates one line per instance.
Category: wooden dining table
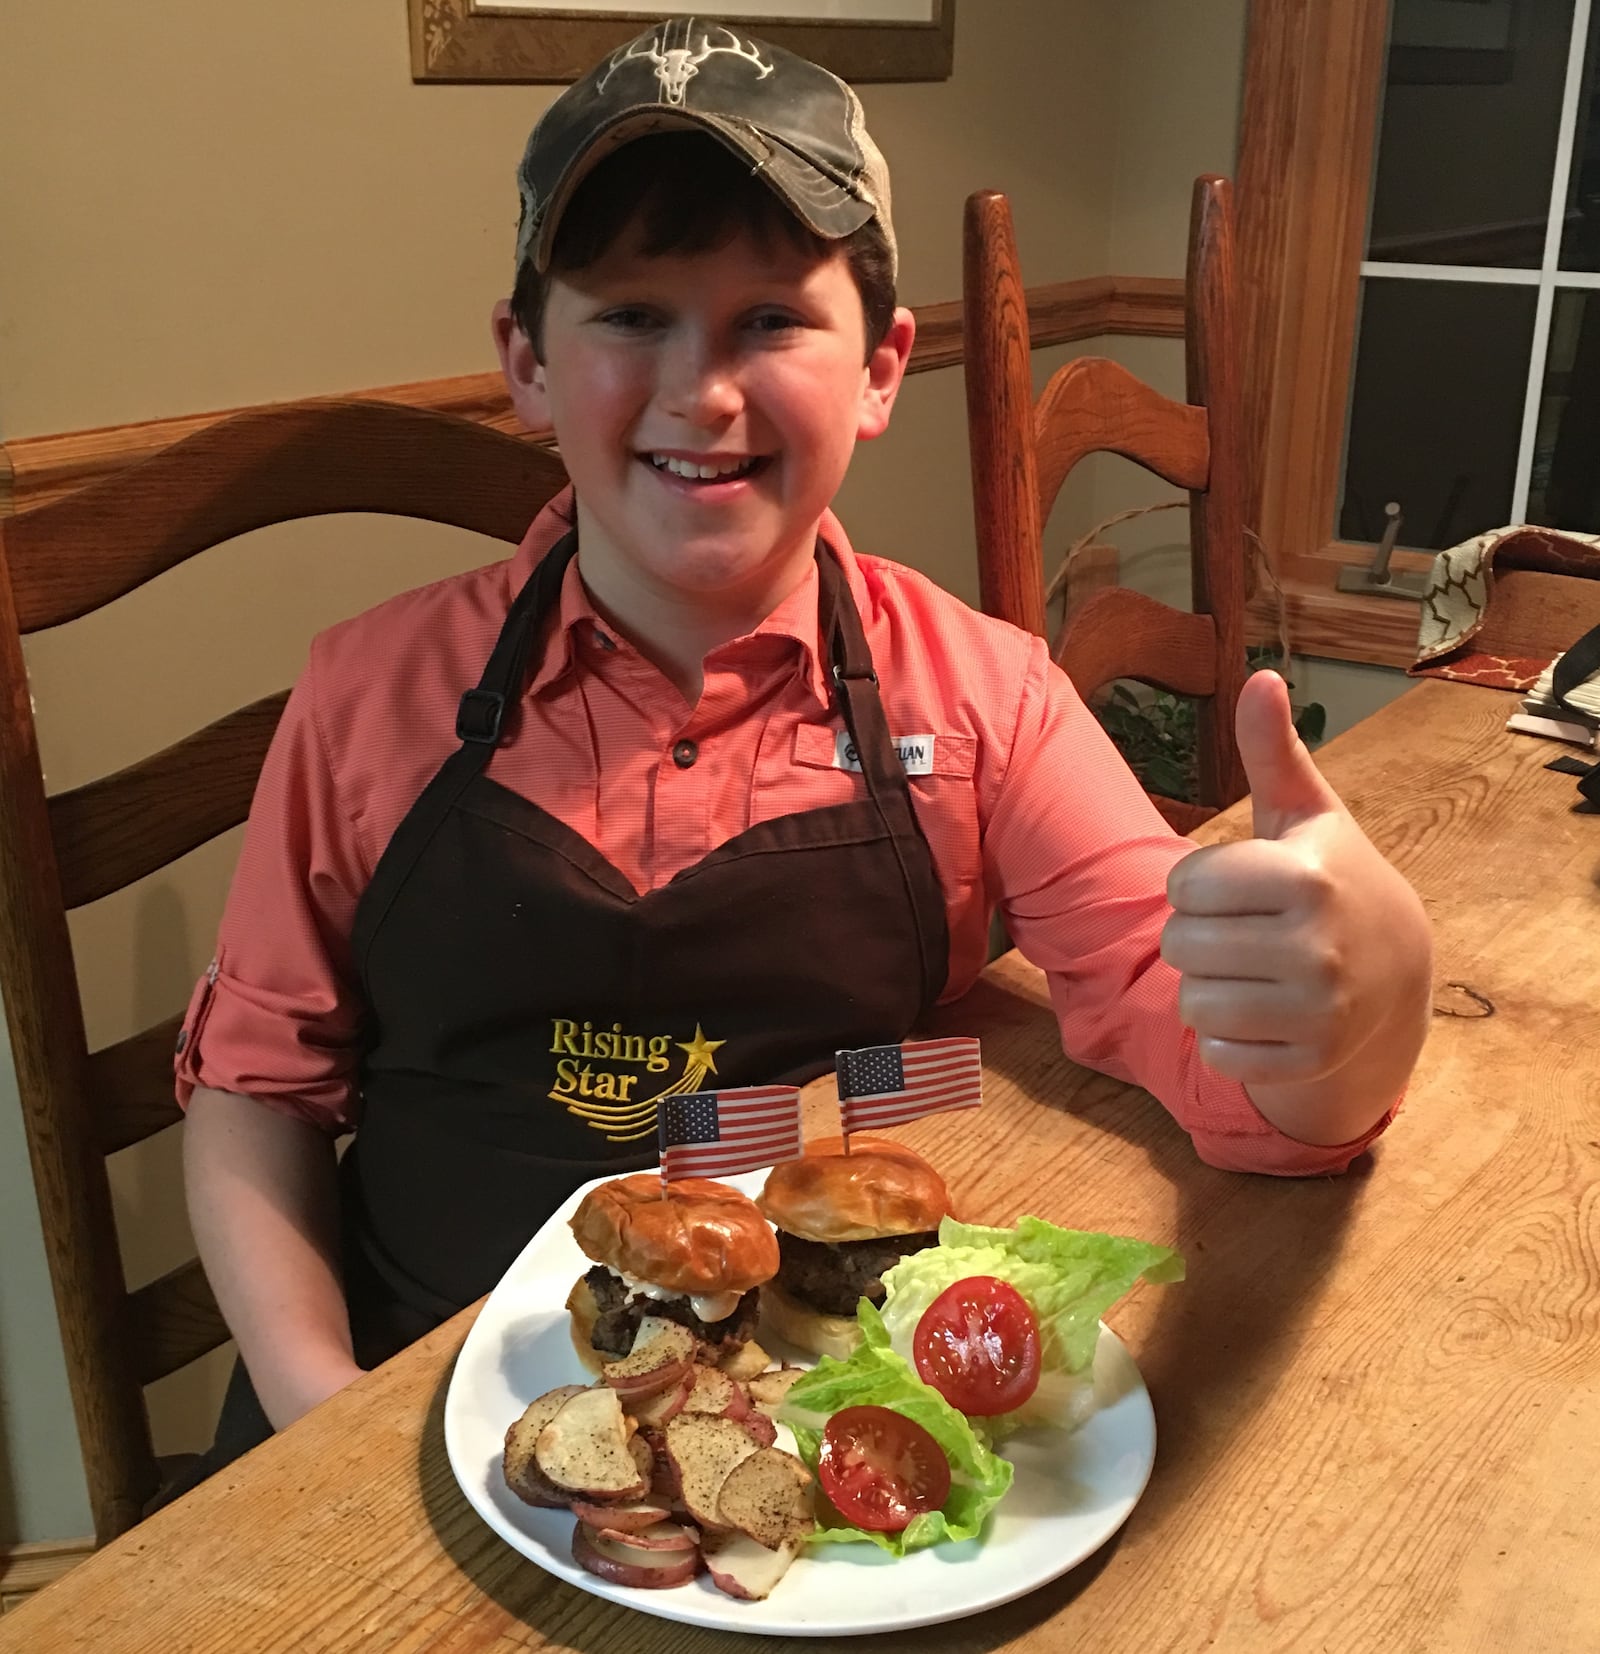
(1377, 1395)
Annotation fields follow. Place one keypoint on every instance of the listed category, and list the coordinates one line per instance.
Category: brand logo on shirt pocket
(915, 753)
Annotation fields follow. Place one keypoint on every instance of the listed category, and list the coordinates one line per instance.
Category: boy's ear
(524, 372)
(886, 367)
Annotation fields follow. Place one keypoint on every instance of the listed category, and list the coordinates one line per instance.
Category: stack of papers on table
(1577, 721)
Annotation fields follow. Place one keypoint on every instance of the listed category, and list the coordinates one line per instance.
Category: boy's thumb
(1286, 788)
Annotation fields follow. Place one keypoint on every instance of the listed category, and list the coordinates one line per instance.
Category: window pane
(1580, 237)
(1436, 412)
(1466, 151)
(1565, 491)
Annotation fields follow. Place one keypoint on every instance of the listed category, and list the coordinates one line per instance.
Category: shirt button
(602, 641)
(684, 754)
(183, 1040)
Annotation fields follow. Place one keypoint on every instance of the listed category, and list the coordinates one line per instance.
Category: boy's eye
(628, 318)
(775, 321)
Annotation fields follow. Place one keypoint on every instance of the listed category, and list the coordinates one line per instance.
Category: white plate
(1071, 1493)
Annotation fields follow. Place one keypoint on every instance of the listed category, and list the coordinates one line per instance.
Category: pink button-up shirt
(1025, 803)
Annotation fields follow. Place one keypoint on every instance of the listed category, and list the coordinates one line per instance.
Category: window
(1419, 191)
(1475, 348)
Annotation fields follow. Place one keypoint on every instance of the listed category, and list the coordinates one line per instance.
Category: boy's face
(747, 362)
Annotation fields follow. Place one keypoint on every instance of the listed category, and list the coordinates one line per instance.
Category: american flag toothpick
(891, 1085)
(723, 1133)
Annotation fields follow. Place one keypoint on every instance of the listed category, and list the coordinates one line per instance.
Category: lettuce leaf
(1069, 1276)
(874, 1375)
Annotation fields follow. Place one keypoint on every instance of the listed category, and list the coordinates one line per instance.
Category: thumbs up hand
(1305, 958)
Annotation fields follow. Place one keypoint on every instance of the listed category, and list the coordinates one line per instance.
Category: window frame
(1308, 128)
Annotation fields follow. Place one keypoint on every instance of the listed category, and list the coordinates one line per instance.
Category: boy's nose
(700, 386)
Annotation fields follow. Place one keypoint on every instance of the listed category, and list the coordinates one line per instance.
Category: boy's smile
(706, 406)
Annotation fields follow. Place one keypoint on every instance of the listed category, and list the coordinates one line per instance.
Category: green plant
(1156, 735)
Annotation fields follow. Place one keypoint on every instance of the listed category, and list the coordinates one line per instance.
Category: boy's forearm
(263, 1203)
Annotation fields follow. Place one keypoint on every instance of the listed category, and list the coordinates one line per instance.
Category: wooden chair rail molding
(35, 470)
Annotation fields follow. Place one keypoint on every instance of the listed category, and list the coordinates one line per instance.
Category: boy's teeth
(698, 472)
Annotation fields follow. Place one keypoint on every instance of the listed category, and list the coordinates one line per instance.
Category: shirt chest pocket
(822, 768)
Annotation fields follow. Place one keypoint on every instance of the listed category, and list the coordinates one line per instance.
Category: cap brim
(819, 201)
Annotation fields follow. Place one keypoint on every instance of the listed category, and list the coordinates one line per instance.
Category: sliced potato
(653, 1411)
(714, 1393)
(768, 1497)
(626, 1516)
(522, 1474)
(660, 1536)
(741, 1568)
(662, 1353)
(703, 1450)
(759, 1426)
(767, 1390)
(585, 1447)
(744, 1360)
(609, 1557)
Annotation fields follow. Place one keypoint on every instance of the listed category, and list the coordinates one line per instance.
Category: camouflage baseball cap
(800, 127)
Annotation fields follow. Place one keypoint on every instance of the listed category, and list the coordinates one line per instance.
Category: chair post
(1005, 482)
(50, 1051)
(1220, 554)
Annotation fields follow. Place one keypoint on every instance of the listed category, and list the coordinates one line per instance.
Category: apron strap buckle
(479, 715)
(855, 675)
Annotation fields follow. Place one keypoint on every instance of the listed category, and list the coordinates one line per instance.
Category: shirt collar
(795, 617)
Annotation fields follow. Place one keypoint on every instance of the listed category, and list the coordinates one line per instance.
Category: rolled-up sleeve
(1077, 857)
(277, 1015)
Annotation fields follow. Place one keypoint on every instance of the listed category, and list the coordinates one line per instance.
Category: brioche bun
(693, 1236)
(880, 1188)
(583, 1312)
(786, 1318)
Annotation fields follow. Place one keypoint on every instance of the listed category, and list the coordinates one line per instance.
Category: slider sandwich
(843, 1220)
(694, 1252)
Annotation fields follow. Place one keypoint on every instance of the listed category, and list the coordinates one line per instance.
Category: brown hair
(690, 194)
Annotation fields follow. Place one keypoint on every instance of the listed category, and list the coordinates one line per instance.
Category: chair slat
(130, 1084)
(117, 829)
(1120, 633)
(173, 1321)
(274, 465)
(1022, 453)
(1094, 405)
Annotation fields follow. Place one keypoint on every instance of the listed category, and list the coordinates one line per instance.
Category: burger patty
(832, 1277)
(621, 1311)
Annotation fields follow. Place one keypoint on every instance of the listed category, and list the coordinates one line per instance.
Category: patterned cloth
(1460, 637)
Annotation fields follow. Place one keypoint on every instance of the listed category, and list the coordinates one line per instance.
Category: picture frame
(527, 42)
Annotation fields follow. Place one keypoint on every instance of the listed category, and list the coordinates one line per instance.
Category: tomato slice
(977, 1344)
(879, 1469)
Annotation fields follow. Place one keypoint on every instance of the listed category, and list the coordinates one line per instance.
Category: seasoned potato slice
(522, 1475)
(585, 1447)
(768, 1496)
(741, 1568)
(703, 1450)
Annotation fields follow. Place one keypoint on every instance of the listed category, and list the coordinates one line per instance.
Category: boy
(687, 795)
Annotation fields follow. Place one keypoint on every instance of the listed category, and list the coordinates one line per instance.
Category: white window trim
(1547, 278)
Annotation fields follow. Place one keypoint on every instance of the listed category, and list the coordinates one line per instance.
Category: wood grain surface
(1376, 1395)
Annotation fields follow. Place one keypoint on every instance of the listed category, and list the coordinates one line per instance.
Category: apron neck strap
(481, 714)
(855, 683)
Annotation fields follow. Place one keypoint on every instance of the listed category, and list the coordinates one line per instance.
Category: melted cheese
(711, 1306)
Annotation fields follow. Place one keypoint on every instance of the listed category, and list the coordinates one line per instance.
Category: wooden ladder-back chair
(1022, 453)
(57, 563)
